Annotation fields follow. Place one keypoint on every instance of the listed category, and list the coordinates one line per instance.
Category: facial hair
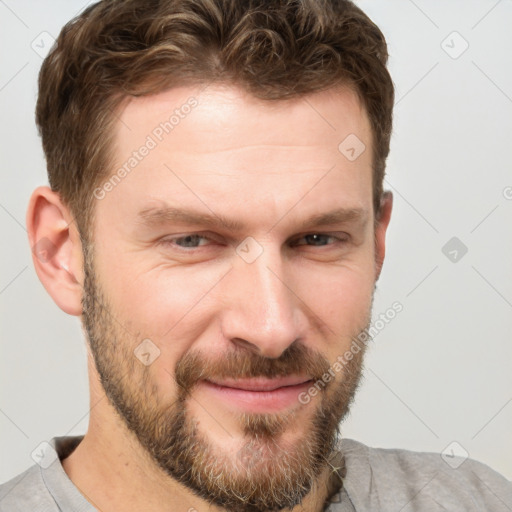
(267, 473)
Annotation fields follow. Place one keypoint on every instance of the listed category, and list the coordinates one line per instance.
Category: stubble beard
(267, 473)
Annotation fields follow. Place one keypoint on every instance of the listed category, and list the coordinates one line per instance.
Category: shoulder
(407, 480)
(27, 491)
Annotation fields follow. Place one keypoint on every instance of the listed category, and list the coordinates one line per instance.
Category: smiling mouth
(257, 394)
(260, 384)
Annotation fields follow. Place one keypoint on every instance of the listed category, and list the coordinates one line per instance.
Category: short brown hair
(275, 49)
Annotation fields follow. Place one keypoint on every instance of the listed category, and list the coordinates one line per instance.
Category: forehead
(220, 149)
(222, 117)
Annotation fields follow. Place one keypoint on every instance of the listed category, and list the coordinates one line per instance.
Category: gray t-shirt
(376, 480)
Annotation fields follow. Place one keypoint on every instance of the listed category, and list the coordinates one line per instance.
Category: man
(216, 218)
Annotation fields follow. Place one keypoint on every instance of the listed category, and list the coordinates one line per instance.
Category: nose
(261, 311)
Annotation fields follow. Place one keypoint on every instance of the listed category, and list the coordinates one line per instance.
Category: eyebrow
(168, 215)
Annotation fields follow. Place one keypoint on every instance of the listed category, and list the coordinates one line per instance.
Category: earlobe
(56, 249)
(380, 231)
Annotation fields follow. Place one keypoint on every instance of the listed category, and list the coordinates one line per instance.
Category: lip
(257, 394)
(260, 383)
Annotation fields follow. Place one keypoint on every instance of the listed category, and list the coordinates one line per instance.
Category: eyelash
(172, 241)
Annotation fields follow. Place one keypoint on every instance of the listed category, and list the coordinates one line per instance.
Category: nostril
(240, 342)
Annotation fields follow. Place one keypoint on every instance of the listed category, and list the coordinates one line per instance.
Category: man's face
(244, 307)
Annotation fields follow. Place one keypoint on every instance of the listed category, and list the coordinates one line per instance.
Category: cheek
(168, 306)
(159, 302)
(341, 296)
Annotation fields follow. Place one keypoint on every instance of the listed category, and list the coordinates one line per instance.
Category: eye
(321, 239)
(197, 240)
(191, 241)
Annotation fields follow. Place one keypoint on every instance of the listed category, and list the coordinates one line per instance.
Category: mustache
(241, 363)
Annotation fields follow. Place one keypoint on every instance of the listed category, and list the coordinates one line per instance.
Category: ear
(381, 226)
(56, 249)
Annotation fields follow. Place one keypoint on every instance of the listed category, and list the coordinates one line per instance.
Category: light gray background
(441, 370)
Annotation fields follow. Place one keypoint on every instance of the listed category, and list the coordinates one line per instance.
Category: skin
(270, 166)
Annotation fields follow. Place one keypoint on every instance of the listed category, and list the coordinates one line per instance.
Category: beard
(267, 472)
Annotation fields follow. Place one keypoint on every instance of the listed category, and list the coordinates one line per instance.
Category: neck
(115, 475)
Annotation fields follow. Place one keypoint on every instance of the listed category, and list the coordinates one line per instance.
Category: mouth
(257, 394)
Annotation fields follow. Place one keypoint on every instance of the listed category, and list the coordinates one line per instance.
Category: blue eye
(187, 241)
(317, 239)
(197, 240)
(320, 239)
